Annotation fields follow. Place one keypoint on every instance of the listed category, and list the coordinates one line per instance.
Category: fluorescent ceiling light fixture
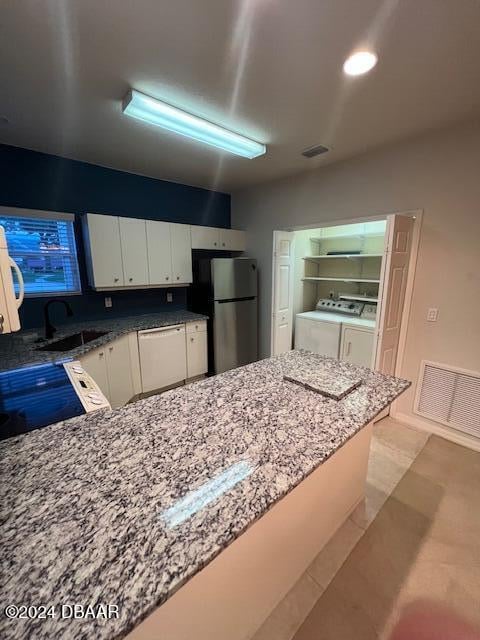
(359, 63)
(143, 107)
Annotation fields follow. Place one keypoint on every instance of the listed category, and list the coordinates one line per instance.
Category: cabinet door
(134, 251)
(232, 240)
(196, 354)
(159, 252)
(205, 237)
(357, 346)
(119, 371)
(181, 253)
(104, 252)
(95, 364)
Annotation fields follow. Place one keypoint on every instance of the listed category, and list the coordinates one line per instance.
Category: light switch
(169, 296)
(432, 314)
(108, 302)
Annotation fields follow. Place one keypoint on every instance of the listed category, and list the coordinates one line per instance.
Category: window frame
(44, 214)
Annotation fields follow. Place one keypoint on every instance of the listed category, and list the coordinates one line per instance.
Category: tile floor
(417, 534)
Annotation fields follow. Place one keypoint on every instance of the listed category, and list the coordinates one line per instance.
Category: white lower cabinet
(110, 367)
(197, 357)
(151, 360)
(163, 357)
(357, 345)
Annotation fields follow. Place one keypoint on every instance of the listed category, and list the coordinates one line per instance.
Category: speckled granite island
(193, 511)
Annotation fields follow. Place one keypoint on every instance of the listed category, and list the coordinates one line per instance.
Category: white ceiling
(271, 69)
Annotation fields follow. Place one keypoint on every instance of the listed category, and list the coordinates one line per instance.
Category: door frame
(417, 214)
(272, 309)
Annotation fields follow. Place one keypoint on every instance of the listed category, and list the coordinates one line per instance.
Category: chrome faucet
(49, 328)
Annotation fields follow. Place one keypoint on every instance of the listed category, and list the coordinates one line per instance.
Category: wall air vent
(449, 396)
(316, 150)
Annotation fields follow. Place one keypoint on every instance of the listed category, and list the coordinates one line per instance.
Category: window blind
(43, 246)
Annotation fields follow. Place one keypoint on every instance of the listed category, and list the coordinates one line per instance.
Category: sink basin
(73, 341)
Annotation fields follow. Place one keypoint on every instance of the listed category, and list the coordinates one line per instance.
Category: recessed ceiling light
(143, 107)
(360, 62)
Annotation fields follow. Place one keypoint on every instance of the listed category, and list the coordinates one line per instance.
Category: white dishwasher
(163, 356)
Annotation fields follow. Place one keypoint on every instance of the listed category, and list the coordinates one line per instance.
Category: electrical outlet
(432, 314)
(108, 302)
(169, 296)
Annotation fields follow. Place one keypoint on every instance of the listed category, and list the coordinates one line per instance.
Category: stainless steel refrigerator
(226, 290)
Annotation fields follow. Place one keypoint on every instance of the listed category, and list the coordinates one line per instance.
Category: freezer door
(234, 278)
(234, 334)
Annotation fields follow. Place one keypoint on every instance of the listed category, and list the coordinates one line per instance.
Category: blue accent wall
(34, 180)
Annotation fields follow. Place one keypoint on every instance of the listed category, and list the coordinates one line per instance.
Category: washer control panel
(340, 306)
(87, 389)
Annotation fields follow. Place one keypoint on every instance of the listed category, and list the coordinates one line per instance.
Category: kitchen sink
(73, 341)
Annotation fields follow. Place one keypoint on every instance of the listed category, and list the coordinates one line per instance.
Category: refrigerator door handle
(235, 299)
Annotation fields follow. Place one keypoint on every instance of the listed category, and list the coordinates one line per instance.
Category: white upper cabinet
(217, 239)
(104, 252)
(169, 253)
(133, 241)
(205, 237)
(159, 252)
(232, 240)
(128, 252)
(181, 244)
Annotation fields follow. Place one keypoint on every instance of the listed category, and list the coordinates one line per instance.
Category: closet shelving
(350, 236)
(333, 279)
(349, 256)
(358, 297)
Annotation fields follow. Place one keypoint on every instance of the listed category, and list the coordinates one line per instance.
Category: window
(43, 246)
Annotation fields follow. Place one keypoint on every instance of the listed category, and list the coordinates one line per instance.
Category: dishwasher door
(163, 357)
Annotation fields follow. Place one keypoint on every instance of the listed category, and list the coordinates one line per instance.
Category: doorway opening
(344, 290)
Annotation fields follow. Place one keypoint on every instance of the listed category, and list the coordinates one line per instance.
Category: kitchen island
(171, 508)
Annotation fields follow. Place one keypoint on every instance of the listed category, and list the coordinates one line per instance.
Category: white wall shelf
(349, 237)
(332, 279)
(350, 256)
(358, 297)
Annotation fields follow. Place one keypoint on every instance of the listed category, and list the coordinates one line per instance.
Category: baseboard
(438, 430)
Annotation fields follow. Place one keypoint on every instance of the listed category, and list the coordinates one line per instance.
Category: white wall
(439, 173)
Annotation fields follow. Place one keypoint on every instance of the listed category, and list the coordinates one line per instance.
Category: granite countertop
(123, 507)
(20, 349)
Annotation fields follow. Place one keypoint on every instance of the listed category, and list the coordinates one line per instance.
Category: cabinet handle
(178, 277)
(214, 244)
(100, 355)
(115, 279)
(349, 345)
(223, 244)
(110, 348)
(130, 279)
(191, 339)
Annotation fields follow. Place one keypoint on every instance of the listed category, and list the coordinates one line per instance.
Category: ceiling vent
(316, 150)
